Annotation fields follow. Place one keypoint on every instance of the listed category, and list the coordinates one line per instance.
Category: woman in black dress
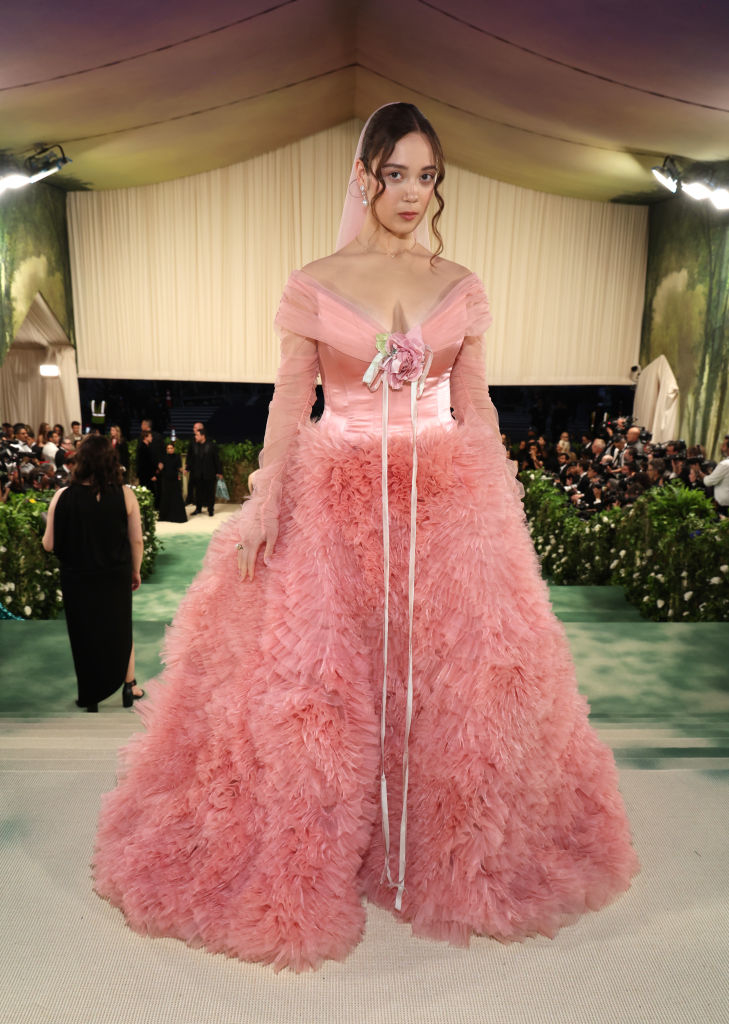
(94, 528)
(171, 504)
(121, 448)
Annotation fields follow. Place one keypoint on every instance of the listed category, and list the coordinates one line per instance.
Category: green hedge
(30, 586)
(29, 581)
(668, 550)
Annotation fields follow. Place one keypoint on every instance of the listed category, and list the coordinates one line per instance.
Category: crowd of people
(596, 472)
(42, 461)
(36, 460)
(621, 463)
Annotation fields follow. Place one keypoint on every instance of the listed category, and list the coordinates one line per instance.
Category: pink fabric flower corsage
(400, 359)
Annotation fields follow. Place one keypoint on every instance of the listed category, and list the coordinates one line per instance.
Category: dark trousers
(204, 493)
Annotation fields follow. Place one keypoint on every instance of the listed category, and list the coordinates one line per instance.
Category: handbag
(221, 490)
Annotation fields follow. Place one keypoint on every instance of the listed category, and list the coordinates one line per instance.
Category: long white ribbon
(373, 379)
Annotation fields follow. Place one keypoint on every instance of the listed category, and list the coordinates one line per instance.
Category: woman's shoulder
(130, 498)
(451, 271)
(57, 496)
(322, 270)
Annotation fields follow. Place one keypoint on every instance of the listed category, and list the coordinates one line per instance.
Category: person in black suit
(149, 459)
(189, 462)
(204, 471)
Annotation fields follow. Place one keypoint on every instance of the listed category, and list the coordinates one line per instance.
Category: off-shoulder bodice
(345, 337)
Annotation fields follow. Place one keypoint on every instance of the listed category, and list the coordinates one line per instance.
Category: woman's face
(115, 433)
(170, 449)
(409, 176)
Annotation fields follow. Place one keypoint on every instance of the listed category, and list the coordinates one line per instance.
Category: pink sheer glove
(469, 389)
(293, 398)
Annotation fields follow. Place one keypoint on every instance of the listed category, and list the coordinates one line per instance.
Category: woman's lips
(409, 215)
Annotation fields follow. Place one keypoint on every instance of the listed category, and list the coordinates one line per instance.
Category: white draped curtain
(25, 396)
(182, 280)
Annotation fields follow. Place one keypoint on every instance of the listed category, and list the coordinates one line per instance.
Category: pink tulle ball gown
(248, 817)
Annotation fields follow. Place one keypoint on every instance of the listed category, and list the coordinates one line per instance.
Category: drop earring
(364, 195)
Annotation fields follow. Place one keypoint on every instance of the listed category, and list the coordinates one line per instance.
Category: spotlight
(697, 189)
(46, 160)
(13, 179)
(668, 174)
(720, 198)
(49, 370)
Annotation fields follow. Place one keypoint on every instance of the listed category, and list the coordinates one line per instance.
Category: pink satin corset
(345, 338)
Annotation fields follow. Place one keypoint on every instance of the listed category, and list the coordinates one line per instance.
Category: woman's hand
(136, 579)
(249, 547)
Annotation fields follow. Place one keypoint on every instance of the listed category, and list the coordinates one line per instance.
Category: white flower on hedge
(684, 574)
(614, 562)
(660, 576)
(646, 598)
(660, 602)
(8, 600)
(41, 596)
(670, 613)
(27, 610)
(688, 595)
(10, 586)
(715, 580)
(685, 613)
(2, 550)
(724, 568)
(622, 553)
(649, 552)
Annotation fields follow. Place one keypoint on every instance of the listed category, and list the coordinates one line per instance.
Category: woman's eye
(427, 178)
(394, 176)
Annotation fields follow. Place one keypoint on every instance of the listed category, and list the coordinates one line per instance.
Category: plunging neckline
(363, 314)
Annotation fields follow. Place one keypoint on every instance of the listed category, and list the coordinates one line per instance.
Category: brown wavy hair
(95, 462)
(387, 126)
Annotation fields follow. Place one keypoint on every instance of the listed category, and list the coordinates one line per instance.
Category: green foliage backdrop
(686, 317)
(34, 257)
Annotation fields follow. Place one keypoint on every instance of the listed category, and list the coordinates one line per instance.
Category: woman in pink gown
(366, 692)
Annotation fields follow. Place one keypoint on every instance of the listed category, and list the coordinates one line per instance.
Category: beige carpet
(658, 955)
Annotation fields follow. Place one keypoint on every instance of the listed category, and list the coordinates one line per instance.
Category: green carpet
(659, 692)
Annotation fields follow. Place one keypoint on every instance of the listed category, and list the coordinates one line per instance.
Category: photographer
(656, 472)
(719, 479)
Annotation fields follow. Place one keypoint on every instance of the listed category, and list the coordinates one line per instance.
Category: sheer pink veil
(354, 212)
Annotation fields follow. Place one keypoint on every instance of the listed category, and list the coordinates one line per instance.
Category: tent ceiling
(571, 97)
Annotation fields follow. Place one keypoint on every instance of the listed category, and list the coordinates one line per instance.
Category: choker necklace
(386, 252)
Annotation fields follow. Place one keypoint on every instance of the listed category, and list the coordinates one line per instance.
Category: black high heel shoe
(128, 696)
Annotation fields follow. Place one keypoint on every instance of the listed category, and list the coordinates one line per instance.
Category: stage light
(49, 370)
(44, 161)
(697, 189)
(668, 174)
(13, 179)
(720, 198)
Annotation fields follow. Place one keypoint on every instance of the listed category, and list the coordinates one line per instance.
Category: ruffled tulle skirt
(247, 816)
